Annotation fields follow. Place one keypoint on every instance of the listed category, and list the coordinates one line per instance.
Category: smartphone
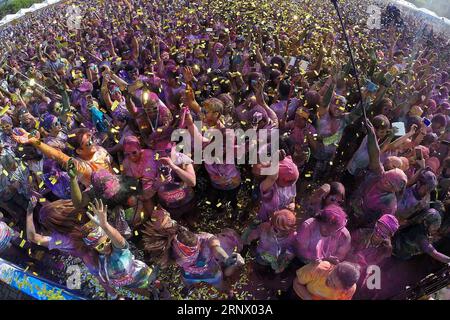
(292, 61)
(371, 87)
(400, 129)
(388, 78)
(427, 122)
(304, 65)
(419, 154)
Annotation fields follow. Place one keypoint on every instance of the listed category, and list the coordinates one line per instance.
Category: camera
(164, 170)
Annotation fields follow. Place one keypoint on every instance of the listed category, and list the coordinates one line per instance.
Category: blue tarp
(33, 285)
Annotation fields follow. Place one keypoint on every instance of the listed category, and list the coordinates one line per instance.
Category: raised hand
(187, 74)
(71, 169)
(31, 205)
(100, 212)
(21, 136)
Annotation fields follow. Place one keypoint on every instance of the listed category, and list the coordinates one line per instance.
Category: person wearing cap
(417, 195)
(276, 245)
(372, 246)
(418, 238)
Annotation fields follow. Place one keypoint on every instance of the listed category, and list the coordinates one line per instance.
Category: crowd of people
(89, 169)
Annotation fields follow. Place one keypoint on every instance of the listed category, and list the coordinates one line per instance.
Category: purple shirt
(224, 176)
(274, 199)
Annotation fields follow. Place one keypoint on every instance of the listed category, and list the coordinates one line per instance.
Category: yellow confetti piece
(219, 204)
(136, 233)
(4, 110)
(116, 170)
(115, 105)
(72, 135)
(42, 200)
(5, 172)
(22, 243)
(58, 242)
(41, 184)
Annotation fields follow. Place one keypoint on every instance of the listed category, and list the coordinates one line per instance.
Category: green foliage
(13, 6)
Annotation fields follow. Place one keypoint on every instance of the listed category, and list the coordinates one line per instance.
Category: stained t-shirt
(224, 176)
(172, 193)
(206, 265)
(271, 246)
(274, 199)
(317, 246)
(121, 269)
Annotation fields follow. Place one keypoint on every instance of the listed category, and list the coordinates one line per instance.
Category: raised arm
(79, 199)
(259, 95)
(402, 140)
(374, 150)
(101, 220)
(186, 173)
(32, 235)
(429, 249)
(105, 92)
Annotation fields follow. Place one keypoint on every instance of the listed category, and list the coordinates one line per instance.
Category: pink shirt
(146, 169)
(311, 245)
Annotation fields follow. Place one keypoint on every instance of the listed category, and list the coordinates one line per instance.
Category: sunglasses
(90, 142)
(101, 246)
